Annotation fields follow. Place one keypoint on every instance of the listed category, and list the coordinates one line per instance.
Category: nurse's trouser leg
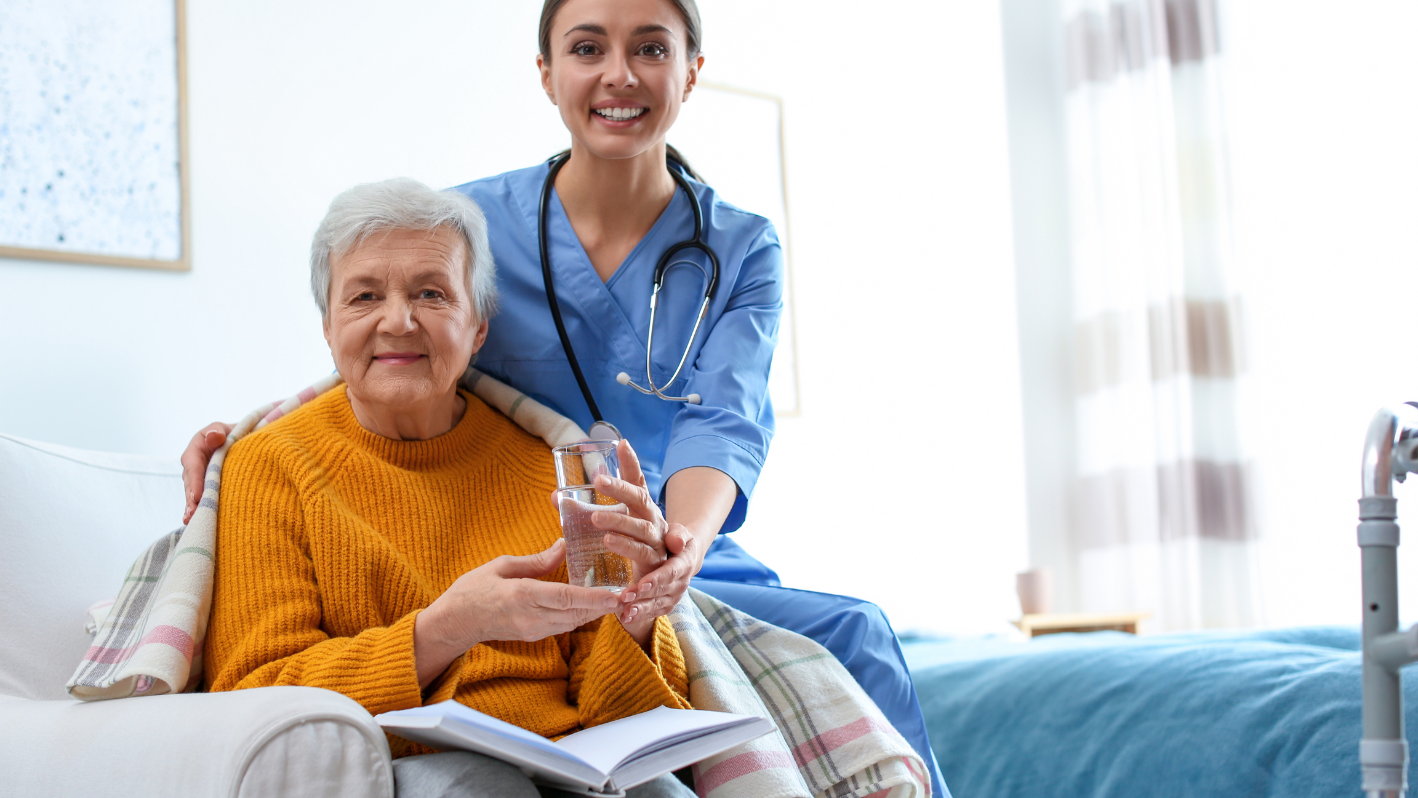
(858, 634)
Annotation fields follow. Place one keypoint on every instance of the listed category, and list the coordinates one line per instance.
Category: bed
(1105, 714)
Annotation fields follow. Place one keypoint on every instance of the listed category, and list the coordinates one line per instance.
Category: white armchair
(71, 523)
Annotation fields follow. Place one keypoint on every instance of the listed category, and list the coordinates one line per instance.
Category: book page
(607, 746)
(456, 711)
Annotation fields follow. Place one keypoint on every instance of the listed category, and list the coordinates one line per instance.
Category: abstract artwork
(92, 132)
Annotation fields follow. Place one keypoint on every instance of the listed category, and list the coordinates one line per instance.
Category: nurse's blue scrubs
(728, 367)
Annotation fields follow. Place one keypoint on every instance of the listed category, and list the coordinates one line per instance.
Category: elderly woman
(392, 539)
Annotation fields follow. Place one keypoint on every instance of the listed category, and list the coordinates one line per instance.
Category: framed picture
(93, 133)
(734, 138)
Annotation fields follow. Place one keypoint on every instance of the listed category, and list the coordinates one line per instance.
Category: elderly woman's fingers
(194, 462)
(531, 566)
(564, 598)
(504, 600)
(549, 608)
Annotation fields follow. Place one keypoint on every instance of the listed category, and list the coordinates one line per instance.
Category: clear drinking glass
(588, 562)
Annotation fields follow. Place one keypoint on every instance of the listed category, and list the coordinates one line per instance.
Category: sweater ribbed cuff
(621, 680)
(377, 669)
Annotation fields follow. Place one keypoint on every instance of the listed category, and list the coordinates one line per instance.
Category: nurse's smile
(619, 114)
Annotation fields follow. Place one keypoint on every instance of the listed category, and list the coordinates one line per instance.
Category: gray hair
(402, 203)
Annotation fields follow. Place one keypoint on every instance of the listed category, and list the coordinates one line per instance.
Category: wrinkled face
(401, 326)
(618, 73)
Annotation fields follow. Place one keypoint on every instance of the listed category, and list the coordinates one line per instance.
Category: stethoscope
(602, 428)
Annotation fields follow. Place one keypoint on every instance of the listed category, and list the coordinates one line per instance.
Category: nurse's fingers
(635, 497)
(671, 579)
(638, 529)
(195, 458)
(652, 608)
(629, 464)
(645, 558)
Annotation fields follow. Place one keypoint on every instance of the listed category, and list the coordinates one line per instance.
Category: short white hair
(402, 203)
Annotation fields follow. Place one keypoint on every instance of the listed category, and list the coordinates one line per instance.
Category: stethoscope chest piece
(603, 431)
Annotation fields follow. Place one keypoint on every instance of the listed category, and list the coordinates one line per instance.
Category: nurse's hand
(657, 592)
(664, 555)
(194, 462)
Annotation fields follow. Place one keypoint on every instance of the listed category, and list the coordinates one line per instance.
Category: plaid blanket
(832, 741)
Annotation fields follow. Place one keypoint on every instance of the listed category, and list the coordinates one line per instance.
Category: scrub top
(607, 324)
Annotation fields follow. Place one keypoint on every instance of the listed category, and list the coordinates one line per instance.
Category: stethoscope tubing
(551, 290)
(664, 264)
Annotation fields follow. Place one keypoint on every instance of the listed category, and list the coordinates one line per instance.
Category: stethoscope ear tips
(624, 379)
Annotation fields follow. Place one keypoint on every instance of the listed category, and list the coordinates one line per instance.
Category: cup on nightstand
(1036, 591)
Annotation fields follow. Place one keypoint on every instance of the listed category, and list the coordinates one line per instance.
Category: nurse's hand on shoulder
(195, 459)
(664, 554)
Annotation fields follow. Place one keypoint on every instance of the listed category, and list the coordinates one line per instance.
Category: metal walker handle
(1390, 454)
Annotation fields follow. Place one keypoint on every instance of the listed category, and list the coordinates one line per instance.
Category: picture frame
(99, 170)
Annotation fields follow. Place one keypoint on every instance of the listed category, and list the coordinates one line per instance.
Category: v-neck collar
(634, 251)
(578, 285)
(581, 273)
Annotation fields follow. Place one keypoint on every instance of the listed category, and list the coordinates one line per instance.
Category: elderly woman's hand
(503, 600)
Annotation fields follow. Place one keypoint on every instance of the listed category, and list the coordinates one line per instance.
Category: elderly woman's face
(401, 326)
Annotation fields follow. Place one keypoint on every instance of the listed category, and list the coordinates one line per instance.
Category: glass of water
(588, 562)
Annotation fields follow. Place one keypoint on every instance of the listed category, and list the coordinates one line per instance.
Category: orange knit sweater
(333, 538)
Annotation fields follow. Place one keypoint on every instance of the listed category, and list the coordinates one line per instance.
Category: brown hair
(693, 31)
(686, 8)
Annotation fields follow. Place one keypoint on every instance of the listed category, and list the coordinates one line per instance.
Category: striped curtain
(1164, 509)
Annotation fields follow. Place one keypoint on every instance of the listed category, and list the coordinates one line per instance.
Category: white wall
(900, 481)
(1325, 162)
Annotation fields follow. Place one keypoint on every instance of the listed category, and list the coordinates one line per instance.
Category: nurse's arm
(699, 499)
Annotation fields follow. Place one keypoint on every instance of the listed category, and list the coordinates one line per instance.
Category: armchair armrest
(270, 741)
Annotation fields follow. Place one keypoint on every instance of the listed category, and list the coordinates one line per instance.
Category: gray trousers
(464, 774)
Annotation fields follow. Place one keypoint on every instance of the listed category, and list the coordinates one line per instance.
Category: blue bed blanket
(1108, 715)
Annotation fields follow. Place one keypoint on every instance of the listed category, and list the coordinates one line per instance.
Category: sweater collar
(471, 436)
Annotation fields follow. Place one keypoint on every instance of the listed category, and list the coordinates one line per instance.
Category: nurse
(618, 71)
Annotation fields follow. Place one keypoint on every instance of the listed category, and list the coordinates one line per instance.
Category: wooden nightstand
(1053, 623)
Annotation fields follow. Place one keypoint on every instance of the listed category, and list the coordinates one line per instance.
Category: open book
(604, 760)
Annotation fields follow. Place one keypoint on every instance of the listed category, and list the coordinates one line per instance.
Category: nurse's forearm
(700, 498)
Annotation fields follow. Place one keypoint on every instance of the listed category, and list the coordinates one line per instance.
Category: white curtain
(1164, 514)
